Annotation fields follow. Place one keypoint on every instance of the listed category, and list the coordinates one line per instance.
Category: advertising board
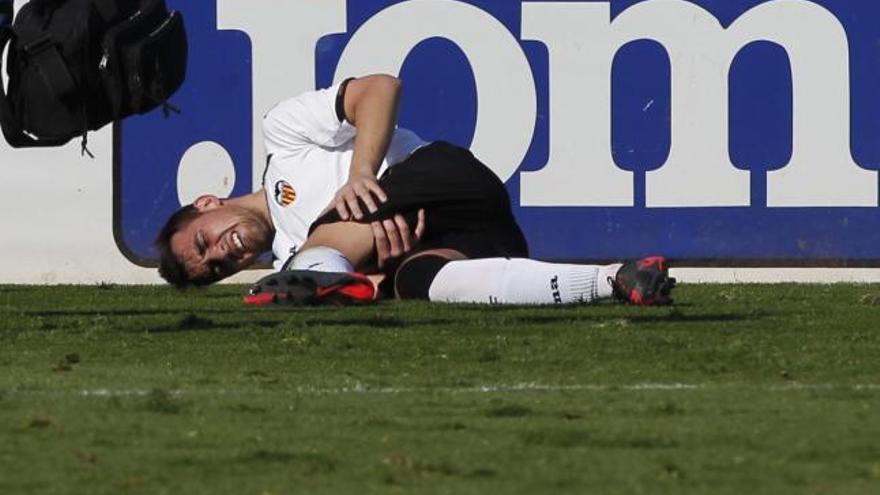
(728, 132)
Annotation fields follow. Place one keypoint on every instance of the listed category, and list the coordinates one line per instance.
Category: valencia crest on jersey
(285, 195)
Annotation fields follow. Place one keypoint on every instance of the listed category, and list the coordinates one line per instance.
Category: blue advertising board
(731, 132)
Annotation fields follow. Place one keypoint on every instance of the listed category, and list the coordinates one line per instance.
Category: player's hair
(171, 268)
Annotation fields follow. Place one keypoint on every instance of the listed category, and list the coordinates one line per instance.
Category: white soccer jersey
(309, 156)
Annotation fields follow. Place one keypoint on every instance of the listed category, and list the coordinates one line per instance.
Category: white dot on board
(205, 168)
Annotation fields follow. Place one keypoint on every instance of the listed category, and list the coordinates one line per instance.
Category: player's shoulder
(312, 101)
(304, 120)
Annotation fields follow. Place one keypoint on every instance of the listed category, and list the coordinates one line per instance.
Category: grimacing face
(221, 241)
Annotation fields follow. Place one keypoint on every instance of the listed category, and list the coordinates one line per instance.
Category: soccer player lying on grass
(328, 147)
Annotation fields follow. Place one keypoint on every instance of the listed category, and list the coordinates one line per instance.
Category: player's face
(222, 240)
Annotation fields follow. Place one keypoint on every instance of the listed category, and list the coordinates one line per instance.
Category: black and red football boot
(311, 288)
(645, 282)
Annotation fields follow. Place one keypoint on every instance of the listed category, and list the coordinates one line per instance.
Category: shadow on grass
(638, 319)
(192, 322)
(377, 322)
(133, 312)
(575, 308)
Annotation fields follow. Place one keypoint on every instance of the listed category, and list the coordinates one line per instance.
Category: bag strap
(44, 52)
(113, 11)
(107, 9)
(12, 129)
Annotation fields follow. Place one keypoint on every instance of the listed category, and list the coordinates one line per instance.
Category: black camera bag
(76, 65)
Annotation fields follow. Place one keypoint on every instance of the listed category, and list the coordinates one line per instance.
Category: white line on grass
(361, 389)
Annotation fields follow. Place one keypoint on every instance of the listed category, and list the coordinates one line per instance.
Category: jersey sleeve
(309, 119)
(403, 143)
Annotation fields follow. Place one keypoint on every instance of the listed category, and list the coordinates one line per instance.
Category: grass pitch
(736, 389)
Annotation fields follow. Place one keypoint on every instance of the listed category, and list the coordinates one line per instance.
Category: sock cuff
(607, 273)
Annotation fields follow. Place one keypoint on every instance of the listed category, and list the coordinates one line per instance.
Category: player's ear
(207, 202)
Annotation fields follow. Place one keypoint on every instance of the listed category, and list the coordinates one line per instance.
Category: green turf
(735, 390)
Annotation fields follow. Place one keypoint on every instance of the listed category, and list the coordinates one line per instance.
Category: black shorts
(466, 206)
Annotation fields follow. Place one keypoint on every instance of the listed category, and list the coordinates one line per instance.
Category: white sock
(521, 281)
(321, 259)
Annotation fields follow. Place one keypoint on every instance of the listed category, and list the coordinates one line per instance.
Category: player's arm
(369, 104)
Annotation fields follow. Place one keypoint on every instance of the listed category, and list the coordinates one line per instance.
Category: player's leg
(456, 192)
(469, 215)
(524, 281)
(323, 271)
(352, 241)
(446, 275)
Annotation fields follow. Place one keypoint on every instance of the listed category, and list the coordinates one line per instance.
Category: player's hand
(394, 238)
(360, 186)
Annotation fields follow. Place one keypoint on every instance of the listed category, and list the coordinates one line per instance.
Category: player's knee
(319, 259)
(414, 277)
